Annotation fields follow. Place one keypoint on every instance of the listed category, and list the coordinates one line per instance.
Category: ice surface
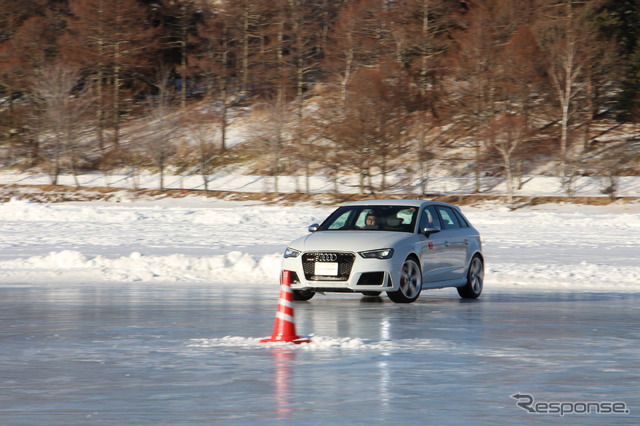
(121, 353)
(151, 313)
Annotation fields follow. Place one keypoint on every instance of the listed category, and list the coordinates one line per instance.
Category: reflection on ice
(283, 363)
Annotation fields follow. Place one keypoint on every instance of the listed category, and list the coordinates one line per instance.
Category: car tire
(302, 295)
(410, 283)
(475, 279)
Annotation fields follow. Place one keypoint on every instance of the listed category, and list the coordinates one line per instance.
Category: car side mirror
(431, 230)
(314, 227)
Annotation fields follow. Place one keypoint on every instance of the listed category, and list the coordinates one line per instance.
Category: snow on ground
(202, 240)
(628, 186)
(324, 343)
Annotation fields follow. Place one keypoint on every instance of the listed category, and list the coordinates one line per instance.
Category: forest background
(387, 91)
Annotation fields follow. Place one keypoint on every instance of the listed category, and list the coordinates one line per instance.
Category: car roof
(408, 203)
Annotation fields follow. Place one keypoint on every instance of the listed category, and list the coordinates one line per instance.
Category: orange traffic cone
(284, 329)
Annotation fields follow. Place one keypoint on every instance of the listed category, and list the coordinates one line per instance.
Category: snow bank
(583, 276)
(243, 268)
(68, 265)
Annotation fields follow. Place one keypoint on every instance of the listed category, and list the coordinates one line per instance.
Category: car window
(449, 218)
(372, 218)
(406, 215)
(340, 221)
(461, 219)
(429, 218)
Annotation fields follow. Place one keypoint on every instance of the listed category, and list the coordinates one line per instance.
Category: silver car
(396, 246)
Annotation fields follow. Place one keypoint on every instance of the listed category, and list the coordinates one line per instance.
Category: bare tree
(359, 38)
(58, 112)
(206, 136)
(565, 40)
(490, 74)
(370, 131)
(324, 148)
(244, 20)
(214, 58)
(473, 86)
(505, 134)
(274, 135)
(112, 40)
(287, 61)
(22, 54)
(179, 33)
(428, 136)
(421, 34)
(158, 138)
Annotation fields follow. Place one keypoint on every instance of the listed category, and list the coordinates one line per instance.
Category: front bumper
(341, 272)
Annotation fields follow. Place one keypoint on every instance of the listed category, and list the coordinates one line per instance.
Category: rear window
(449, 218)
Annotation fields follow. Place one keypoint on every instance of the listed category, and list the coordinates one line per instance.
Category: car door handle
(446, 243)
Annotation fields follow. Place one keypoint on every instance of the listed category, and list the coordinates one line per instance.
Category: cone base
(297, 340)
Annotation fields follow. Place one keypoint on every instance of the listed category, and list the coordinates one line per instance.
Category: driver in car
(371, 222)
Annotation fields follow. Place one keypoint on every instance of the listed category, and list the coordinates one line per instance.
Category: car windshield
(371, 218)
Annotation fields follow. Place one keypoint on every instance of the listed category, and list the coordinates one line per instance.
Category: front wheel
(475, 279)
(410, 283)
(303, 295)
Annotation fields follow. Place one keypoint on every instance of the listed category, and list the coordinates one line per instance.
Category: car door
(434, 260)
(454, 235)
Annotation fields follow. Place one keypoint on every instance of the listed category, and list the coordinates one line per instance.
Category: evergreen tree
(619, 18)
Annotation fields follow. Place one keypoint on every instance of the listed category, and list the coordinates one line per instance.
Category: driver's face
(370, 220)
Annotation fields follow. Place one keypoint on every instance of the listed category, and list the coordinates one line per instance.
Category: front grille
(344, 261)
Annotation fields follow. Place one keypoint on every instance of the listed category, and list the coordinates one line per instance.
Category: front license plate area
(326, 268)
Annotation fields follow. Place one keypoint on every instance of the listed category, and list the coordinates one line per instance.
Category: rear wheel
(410, 283)
(303, 295)
(475, 279)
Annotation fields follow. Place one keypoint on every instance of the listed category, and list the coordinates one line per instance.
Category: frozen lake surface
(126, 353)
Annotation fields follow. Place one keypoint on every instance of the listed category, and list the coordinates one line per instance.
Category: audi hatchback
(395, 246)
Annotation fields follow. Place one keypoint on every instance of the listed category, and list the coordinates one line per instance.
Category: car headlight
(377, 254)
(290, 252)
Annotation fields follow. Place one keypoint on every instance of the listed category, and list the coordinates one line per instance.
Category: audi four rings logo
(326, 257)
